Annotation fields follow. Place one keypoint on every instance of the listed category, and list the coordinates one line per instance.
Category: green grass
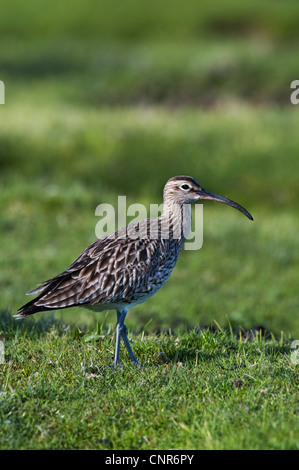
(48, 214)
(198, 390)
(103, 100)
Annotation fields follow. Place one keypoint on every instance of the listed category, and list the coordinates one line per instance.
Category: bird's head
(186, 190)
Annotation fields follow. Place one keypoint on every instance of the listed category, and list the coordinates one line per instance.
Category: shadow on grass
(176, 348)
(29, 326)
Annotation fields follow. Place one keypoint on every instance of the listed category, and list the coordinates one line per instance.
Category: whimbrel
(127, 267)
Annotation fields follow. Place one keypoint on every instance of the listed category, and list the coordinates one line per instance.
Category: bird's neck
(178, 219)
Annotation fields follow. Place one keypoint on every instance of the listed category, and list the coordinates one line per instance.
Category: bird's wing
(108, 271)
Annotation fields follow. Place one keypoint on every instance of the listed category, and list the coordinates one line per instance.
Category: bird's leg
(121, 332)
(127, 344)
(117, 343)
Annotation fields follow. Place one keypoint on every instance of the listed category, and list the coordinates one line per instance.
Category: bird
(127, 267)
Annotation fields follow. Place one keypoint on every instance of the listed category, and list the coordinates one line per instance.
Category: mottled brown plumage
(128, 266)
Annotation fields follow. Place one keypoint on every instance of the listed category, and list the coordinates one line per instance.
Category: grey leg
(127, 344)
(117, 343)
(121, 332)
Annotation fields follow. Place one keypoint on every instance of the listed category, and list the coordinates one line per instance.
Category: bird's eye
(185, 187)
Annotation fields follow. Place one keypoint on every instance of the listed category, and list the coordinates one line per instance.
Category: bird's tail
(29, 309)
(56, 293)
(34, 305)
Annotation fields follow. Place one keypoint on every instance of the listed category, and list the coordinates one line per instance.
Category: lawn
(115, 103)
(205, 389)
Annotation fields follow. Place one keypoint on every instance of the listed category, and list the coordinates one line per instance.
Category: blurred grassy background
(112, 98)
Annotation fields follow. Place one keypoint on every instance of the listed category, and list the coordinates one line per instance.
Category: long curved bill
(215, 197)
